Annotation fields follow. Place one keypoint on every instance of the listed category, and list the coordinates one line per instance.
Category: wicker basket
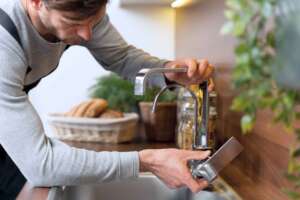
(94, 129)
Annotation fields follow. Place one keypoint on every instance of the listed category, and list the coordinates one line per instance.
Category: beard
(54, 35)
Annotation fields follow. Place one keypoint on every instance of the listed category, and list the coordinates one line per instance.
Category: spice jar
(185, 117)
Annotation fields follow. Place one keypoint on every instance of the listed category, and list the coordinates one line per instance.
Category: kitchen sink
(146, 187)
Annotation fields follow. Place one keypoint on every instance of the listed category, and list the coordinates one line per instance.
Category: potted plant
(117, 91)
(159, 126)
(263, 53)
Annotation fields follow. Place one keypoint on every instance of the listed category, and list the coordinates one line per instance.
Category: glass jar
(185, 126)
(212, 126)
(185, 117)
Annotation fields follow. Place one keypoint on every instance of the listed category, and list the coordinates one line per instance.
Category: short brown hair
(85, 8)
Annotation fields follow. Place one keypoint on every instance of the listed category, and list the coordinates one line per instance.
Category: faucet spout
(143, 75)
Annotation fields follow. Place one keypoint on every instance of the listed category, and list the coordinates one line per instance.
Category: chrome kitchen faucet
(200, 134)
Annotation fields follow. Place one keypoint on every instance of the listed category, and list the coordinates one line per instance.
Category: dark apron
(11, 179)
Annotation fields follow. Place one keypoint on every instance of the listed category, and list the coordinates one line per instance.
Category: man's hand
(170, 165)
(198, 71)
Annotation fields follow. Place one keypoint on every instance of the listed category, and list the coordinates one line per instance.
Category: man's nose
(85, 32)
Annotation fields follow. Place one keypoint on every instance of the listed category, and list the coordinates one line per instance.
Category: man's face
(66, 26)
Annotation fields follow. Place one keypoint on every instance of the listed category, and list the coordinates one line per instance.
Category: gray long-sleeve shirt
(45, 161)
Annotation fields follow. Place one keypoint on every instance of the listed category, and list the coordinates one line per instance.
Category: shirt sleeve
(114, 54)
(42, 160)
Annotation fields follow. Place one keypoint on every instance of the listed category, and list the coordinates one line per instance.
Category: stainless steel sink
(146, 187)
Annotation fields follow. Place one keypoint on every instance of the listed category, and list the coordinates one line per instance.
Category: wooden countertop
(31, 193)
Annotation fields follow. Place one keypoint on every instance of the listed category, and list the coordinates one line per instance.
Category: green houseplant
(159, 126)
(117, 91)
(256, 28)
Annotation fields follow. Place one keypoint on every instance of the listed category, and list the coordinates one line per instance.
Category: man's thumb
(199, 155)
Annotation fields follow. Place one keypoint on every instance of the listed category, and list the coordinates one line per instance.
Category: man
(33, 36)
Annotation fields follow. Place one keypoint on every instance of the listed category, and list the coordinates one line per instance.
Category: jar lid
(213, 94)
(212, 111)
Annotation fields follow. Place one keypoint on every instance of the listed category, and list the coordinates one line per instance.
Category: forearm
(49, 162)
(44, 161)
(114, 54)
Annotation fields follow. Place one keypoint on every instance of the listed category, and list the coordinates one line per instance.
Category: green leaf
(292, 194)
(239, 28)
(239, 104)
(291, 167)
(243, 61)
(167, 96)
(227, 28)
(231, 15)
(297, 115)
(292, 177)
(234, 4)
(267, 9)
(247, 123)
(241, 48)
(296, 153)
(256, 53)
(271, 39)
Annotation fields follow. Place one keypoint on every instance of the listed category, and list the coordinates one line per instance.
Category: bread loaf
(112, 114)
(90, 108)
(75, 109)
(95, 109)
(82, 109)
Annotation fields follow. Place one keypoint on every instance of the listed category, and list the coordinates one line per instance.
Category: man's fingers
(173, 66)
(196, 185)
(208, 72)
(192, 67)
(211, 85)
(197, 155)
(202, 67)
(202, 184)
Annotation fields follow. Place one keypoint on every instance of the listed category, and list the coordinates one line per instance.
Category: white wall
(148, 27)
(205, 41)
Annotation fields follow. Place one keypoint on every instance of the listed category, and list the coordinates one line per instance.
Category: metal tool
(209, 168)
